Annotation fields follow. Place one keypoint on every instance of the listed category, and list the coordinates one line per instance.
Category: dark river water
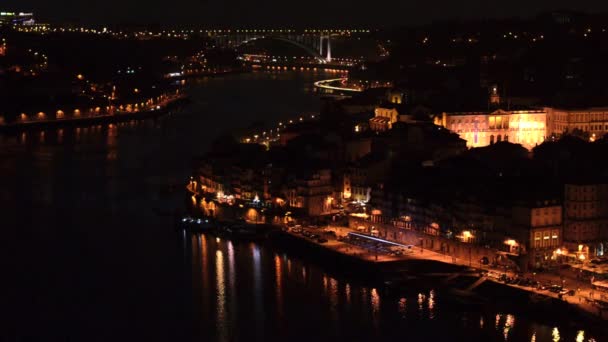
(86, 258)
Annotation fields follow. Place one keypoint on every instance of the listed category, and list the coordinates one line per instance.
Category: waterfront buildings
(536, 229)
(586, 218)
(312, 191)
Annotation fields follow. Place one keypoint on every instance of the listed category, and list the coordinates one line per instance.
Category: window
(545, 239)
(537, 239)
(491, 139)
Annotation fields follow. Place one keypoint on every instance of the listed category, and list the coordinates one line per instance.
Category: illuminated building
(586, 216)
(525, 127)
(312, 192)
(536, 230)
(592, 120)
(394, 110)
(360, 174)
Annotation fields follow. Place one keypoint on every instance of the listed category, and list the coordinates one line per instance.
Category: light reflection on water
(81, 202)
(221, 295)
(272, 294)
(278, 285)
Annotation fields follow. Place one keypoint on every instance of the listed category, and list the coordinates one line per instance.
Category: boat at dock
(197, 224)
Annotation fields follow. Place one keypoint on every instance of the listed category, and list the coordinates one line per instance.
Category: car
(484, 261)
(543, 287)
(321, 240)
(555, 288)
(494, 275)
(566, 292)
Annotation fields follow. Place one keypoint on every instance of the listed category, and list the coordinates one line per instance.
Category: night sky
(260, 13)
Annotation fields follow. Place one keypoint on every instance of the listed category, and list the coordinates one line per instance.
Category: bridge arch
(306, 48)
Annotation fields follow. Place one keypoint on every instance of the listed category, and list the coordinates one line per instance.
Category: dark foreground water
(85, 258)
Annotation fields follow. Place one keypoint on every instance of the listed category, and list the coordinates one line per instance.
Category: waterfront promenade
(152, 109)
(584, 298)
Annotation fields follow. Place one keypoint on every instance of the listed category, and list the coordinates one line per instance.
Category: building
(393, 109)
(525, 127)
(586, 218)
(384, 118)
(360, 175)
(593, 121)
(536, 230)
(312, 192)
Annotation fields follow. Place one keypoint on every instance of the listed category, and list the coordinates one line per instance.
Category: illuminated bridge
(316, 43)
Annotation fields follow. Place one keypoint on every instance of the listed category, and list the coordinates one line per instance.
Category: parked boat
(197, 224)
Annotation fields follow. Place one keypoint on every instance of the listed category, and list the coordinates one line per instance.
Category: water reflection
(375, 306)
(221, 321)
(204, 262)
(402, 307)
(258, 294)
(431, 303)
(509, 323)
(278, 285)
(347, 293)
(580, 336)
(242, 286)
(233, 293)
(332, 293)
(420, 304)
(555, 334)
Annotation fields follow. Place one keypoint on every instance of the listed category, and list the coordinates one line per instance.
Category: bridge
(316, 43)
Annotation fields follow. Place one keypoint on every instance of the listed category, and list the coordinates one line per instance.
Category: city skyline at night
(274, 13)
(269, 171)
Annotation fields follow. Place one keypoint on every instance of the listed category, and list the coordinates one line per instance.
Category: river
(86, 258)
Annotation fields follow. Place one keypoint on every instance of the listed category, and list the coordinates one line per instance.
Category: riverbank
(157, 111)
(420, 268)
(354, 260)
